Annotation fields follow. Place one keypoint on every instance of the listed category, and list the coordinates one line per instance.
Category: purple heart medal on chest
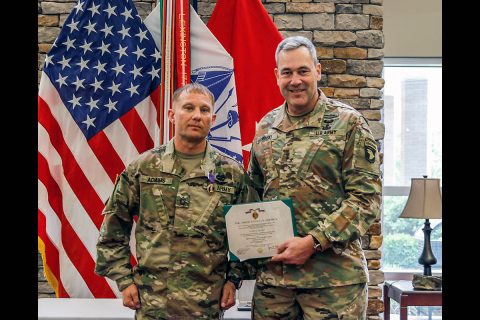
(211, 179)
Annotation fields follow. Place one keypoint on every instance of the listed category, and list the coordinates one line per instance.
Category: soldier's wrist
(317, 246)
(235, 281)
(319, 236)
(124, 282)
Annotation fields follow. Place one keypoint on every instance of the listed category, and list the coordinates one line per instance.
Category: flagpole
(160, 117)
(182, 42)
(175, 26)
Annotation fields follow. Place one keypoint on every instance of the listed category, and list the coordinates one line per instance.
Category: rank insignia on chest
(182, 201)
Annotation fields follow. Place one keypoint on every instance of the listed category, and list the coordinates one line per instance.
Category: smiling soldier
(321, 153)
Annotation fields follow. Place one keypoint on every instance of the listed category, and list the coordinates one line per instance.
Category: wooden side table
(403, 292)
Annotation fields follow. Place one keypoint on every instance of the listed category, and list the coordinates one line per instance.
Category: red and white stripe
(75, 178)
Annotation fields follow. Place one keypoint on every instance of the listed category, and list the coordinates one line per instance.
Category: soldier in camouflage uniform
(178, 191)
(321, 153)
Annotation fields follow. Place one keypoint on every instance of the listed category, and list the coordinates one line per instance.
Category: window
(412, 148)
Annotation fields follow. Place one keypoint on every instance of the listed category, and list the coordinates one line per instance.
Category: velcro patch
(224, 189)
(156, 180)
(220, 188)
(319, 132)
(267, 137)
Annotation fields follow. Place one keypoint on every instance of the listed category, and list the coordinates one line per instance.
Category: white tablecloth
(102, 309)
(82, 309)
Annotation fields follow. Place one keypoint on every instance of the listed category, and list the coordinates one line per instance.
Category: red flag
(249, 35)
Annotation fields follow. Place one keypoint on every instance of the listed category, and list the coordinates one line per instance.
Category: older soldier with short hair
(180, 234)
(321, 153)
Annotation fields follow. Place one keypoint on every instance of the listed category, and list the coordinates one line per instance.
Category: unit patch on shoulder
(370, 150)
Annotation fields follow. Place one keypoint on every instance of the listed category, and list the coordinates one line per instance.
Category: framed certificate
(254, 230)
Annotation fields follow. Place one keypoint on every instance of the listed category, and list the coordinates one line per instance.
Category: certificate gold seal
(254, 212)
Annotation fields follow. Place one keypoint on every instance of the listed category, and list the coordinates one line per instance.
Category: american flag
(97, 111)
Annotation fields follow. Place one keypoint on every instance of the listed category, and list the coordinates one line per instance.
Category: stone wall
(53, 13)
(349, 39)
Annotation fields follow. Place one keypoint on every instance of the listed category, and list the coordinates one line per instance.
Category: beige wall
(412, 28)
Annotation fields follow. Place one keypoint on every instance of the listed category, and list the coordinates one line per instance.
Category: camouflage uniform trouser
(344, 302)
(141, 316)
(160, 314)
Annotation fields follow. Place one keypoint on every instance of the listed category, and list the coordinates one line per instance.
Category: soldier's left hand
(295, 250)
(228, 296)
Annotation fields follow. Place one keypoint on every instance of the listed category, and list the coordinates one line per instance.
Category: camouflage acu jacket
(180, 234)
(329, 165)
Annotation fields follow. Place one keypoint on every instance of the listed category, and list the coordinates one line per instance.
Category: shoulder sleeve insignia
(370, 150)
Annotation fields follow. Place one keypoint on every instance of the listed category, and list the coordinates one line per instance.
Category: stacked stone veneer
(349, 39)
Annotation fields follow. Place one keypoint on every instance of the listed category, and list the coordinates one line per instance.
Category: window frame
(404, 190)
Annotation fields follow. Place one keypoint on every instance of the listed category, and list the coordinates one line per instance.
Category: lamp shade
(424, 200)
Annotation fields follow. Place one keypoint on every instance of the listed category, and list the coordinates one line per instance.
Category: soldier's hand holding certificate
(254, 230)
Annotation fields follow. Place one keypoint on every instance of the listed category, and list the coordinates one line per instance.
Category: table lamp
(425, 202)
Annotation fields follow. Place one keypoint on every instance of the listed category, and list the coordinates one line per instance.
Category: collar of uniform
(171, 165)
(168, 157)
(209, 163)
(314, 118)
(209, 160)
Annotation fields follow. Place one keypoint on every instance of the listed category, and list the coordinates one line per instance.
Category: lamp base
(422, 282)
